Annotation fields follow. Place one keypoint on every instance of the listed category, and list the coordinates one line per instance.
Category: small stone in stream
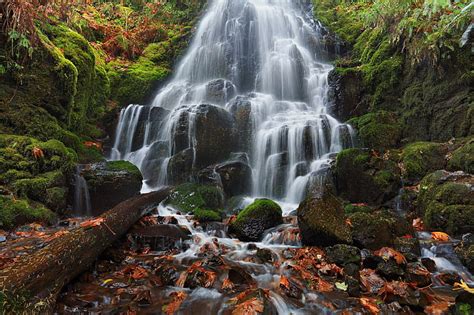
(353, 286)
(418, 274)
(168, 274)
(265, 255)
(239, 276)
(292, 290)
(251, 246)
(370, 261)
(449, 278)
(342, 254)
(160, 237)
(352, 270)
(407, 245)
(390, 269)
(429, 264)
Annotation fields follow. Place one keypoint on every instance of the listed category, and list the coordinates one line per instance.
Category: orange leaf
(93, 222)
(386, 253)
(438, 308)
(227, 284)
(37, 153)
(440, 236)
(249, 307)
(178, 298)
(370, 305)
(284, 283)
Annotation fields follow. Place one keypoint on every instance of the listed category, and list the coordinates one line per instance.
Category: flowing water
(82, 201)
(267, 53)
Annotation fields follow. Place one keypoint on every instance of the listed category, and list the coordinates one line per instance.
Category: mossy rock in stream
(446, 202)
(377, 229)
(189, 196)
(204, 215)
(362, 177)
(17, 211)
(251, 222)
(422, 158)
(378, 130)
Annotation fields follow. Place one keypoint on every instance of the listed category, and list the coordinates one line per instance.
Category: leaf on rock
(178, 298)
(93, 222)
(386, 253)
(250, 307)
(463, 286)
(370, 305)
(440, 236)
(440, 308)
(341, 286)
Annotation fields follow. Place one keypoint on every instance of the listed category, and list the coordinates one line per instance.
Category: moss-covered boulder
(378, 130)
(110, 183)
(364, 177)
(251, 222)
(465, 251)
(17, 211)
(204, 215)
(377, 229)
(322, 222)
(421, 158)
(462, 159)
(190, 196)
(446, 202)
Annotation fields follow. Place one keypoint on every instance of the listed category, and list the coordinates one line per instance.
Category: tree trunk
(39, 277)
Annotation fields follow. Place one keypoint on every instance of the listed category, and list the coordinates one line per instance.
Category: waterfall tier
(254, 80)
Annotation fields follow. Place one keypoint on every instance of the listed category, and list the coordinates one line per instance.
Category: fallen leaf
(463, 286)
(370, 305)
(438, 308)
(341, 286)
(178, 298)
(250, 307)
(227, 284)
(92, 222)
(284, 283)
(386, 253)
(440, 236)
(418, 224)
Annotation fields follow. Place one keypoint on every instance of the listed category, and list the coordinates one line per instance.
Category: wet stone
(390, 269)
(429, 264)
(160, 237)
(342, 254)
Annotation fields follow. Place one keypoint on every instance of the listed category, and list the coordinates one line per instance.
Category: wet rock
(239, 276)
(417, 273)
(251, 222)
(345, 90)
(462, 159)
(265, 255)
(148, 114)
(353, 286)
(343, 254)
(321, 221)
(390, 269)
(378, 229)
(407, 245)
(241, 108)
(180, 166)
(449, 278)
(160, 237)
(362, 177)
(421, 158)
(188, 197)
(111, 183)
(429, 264)
(446, 201)
(352, 270)
(219, 91)
(168, 274)
(466, 255)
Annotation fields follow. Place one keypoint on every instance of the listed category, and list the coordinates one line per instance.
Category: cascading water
(82, 202)
(264, 54)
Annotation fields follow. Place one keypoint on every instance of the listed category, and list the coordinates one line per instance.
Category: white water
(82, 202)
(268, 52)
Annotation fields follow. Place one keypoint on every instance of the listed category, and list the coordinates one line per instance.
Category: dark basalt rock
(241, 108)
(111, 183)
(180, 166)
(160, 237)
(321, 221)
(255, 219)
(219, 91)
(342, 254)
(345, 91)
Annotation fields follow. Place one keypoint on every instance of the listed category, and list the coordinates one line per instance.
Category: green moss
(378, 130)
(203, 215)
(123, 166)
(421, 158)
(189, 196)
(258, 209)
(353, 208)
(463, 158)
(13, 211)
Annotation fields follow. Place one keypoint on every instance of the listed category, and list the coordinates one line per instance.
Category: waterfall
(82, 202)
(266, 54)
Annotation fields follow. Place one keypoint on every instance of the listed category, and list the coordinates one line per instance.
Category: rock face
(160, 237)
(219, 91)
(377, 229)
(421, 158)
(188, 197)
(111, 183)
(345, 91)
(446, 201)
(362, 177)
(251, 222)
(321, 221)
(241, 108)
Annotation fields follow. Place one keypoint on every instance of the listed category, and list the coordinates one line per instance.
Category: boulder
(321, 220)
(110, 183)
(219, 91)
(241, 109)
(362, 177)
(377, 229)
(190, 196)
(462, 159)
(421, 158)
(446, 202)
(251, 222)
(160, 237)
(180, 166)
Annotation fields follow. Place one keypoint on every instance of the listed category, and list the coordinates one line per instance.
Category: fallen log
(35, 280)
